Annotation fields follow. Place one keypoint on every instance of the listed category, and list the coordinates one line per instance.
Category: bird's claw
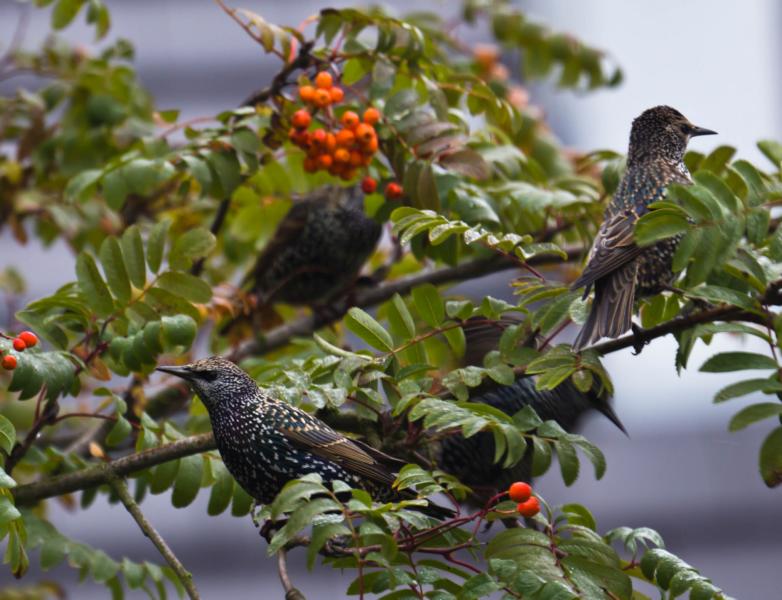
(639, 341)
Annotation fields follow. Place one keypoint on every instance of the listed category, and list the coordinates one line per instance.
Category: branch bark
(291, 593)
(102, 473)
(133, 508)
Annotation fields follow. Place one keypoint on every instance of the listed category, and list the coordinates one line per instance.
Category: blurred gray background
(679, 472)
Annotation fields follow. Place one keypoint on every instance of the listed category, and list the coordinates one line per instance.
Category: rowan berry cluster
(26, 339)
(342, 146)
(521, 492)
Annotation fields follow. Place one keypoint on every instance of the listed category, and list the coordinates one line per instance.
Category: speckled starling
(317, 250)
(618, 269)
(472, 459)
(265, 443)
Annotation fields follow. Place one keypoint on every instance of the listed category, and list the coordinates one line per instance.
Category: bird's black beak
(184, 371)
(695, 131)
(612, 416)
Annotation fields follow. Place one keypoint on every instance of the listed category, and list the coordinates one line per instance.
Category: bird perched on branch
(617, 268)
(472, 459)
(316, 252)
(265, 443)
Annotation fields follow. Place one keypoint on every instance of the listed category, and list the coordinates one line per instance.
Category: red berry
(322, 98)
(323, 80)
(307, 93)
(371, 116)
(529, 508)
(368, 185)
(520, 491)
(350, 119)
(30, 339)
(301, 119)
(19, 345)
(393, 191)
(9, 362)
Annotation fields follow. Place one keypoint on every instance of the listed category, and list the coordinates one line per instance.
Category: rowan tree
(162, 214)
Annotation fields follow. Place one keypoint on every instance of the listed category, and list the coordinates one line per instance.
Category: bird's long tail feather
(612, 308)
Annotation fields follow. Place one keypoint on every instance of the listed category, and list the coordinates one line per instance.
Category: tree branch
(100, 474)
(119, 486)
(291, 593)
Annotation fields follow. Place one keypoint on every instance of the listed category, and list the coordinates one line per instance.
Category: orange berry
(529, 508)
(310, 165)
(303, 139)
(356, 159)
(394, 191)
(19, 345)
(345, 138)
(368, 185)
(335, 169)
(323, 80)
(371, 146)
(520, 491)
(322, 98)
(324, 161)
(319, 137)
(30, 339)
(337, 94)
(9, 362)
(365, 133)
(371, 115)
(341, 155)
(331, 142)
(293, 135)
(301, 119)
(350, 119)
(347, 174)
(366, 160)
(307, 93)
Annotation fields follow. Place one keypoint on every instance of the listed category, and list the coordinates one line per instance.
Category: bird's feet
(269, 528)
(639, 339)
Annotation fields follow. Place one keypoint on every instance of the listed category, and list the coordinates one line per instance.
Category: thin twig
(119, 486)
(291, 593)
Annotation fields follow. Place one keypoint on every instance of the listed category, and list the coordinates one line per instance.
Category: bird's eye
(208, 375)
(686, 129)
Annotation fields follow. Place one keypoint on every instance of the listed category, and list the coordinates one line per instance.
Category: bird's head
(216, 380)
(662, 132)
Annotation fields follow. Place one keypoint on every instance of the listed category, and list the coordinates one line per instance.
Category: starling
(265, 443)
(618, 269)
(318, 249)
(471, 459)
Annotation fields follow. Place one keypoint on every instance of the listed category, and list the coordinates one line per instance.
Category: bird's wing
(614, 247)
(354, 457)
(285, 235)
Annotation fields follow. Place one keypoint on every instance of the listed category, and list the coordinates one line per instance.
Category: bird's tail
(435, 511)
(612, 308)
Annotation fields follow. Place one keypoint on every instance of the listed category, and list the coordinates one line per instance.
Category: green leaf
(222, 489)
(772, 150)
(133, 252)
(8, 512)
(771, 458)
(119, 431)
(185, 285)
(737, 361)
(114, 267)
(429, 304)
(659, 224)
(364, 326)
(228, 170)
(7, 434)
(6, 481)
(92, 286)
(191, 245)
(753, 413)
(156, 244)
(748, 386)
(188, 480)
(64, 12)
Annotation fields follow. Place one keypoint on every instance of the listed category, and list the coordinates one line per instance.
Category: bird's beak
(184, 371)
(612, 416)
(695, 131)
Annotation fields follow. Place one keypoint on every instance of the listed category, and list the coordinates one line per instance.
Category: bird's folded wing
(333, 446)
(614, 247)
